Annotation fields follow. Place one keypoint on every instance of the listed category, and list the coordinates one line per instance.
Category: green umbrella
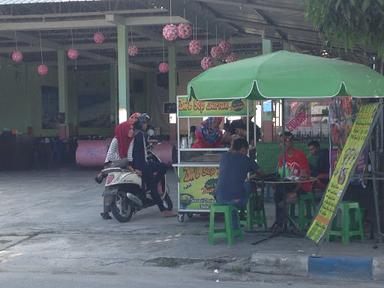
(285, 74)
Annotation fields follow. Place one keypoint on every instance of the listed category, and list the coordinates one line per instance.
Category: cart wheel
(180, 217)
(190, 215)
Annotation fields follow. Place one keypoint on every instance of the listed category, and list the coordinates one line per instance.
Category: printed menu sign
(192, 107)
(196, 187)
(343, 171)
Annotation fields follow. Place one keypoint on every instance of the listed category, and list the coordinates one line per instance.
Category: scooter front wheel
(122, 208)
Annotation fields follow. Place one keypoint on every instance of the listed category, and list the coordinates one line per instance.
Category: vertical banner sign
(343, 171)
(196, 186)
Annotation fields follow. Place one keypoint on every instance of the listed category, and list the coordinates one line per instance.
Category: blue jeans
(239, 203)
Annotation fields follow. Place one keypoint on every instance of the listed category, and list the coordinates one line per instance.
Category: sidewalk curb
(337, 267)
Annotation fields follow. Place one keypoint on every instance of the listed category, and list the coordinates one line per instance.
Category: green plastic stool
(306, 207)
(255, 213)
(351, 223)
(228, 232)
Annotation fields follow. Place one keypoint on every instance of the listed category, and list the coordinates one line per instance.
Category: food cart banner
(196, 187)
(342, 173)
(194, 108)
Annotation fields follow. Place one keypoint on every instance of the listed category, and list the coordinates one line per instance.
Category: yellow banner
(343, 171)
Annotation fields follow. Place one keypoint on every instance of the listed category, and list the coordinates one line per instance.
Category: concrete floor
(51, 232)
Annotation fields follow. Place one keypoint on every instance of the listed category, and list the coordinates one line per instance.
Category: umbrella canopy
(285, 74)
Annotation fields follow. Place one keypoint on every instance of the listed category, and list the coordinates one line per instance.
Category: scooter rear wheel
(122, 208)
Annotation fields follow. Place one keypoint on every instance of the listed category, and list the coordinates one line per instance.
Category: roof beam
(254, 6)
(83, 14)
(143, 21)
(89, 23)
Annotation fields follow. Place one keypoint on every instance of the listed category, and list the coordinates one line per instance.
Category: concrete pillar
(266, 46)
(63, 84)
(113, 92)
(123, 72)
(172, 83)
(62, 74)
(266, 117)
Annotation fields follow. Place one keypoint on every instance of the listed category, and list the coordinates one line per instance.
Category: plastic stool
(228, 232)
(306, 206)
(255, 213)
(351, 223)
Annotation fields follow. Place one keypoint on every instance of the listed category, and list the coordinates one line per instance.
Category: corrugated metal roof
(10, 2)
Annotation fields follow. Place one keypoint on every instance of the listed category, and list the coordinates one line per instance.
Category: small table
(284, 182)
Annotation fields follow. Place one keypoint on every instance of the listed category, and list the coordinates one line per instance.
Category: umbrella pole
(283, 131)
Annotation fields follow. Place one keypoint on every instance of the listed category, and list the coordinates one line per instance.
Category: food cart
(198, 168)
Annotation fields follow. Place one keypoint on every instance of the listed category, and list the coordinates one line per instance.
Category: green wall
(21, 101)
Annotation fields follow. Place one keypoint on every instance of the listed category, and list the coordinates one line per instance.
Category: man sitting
(320, 164)
(296, 165)
(234, 167)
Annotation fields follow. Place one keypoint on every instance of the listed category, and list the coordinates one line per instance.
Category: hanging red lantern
(225, 47)
(98, 38)
(163, 67)
(133, 50)
(170, 32)
(17, 56)
(216, 52)
(73, 54)
(195, 47)
(184, 30)
(206, 63)
(231, 58)
(42, 69)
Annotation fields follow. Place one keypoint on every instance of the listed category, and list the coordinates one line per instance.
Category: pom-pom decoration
(163, 67)
(206, 63)
(195, 47)
(17, 56)
(231, 58)
(98, 38)
(73, 54)
(225, 47)
(184, 30)
(170, 32)
(42, 69)
(133, 50)
(216, 52)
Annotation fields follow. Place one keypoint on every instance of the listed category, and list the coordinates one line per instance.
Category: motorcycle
(127, 194)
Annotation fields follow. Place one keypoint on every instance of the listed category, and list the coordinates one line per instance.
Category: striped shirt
(113, 151)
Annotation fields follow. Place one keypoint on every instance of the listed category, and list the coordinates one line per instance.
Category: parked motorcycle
(128, 194)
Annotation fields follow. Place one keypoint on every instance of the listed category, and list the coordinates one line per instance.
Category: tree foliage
(350, 21)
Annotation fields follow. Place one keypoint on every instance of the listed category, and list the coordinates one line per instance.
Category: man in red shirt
(296, 166)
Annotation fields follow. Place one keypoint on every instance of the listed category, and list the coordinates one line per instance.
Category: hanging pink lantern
(170, 32)
(225, 47)
(206, 63)
(184, 30)
(231, 58)
(42, 69)
(195, 47)
(17, 56)
(98, 38)
(163, 67)
(216, 52)
(73, 54)
(133, 50)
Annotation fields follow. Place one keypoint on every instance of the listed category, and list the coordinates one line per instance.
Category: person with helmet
(152, 173)
(117, 155)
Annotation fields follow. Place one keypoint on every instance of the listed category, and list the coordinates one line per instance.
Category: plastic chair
(351, 223)
(306, 210)
(229, 231)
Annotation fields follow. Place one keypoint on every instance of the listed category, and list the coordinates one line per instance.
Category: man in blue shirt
(234, 168)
